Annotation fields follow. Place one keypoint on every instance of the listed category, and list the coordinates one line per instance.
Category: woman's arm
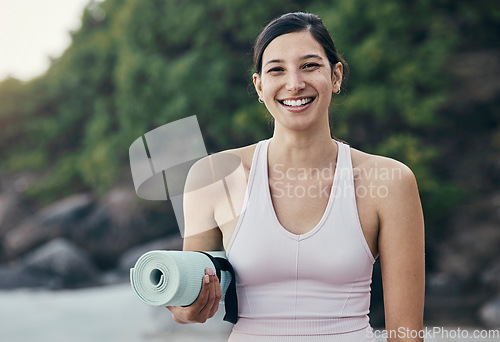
(401, 248)
(201, 234)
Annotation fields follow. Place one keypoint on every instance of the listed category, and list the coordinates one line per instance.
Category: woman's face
(296, 80)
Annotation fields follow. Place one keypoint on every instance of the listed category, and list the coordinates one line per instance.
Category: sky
(32, 31)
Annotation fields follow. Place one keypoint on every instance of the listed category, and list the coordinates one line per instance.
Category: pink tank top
(317, 283)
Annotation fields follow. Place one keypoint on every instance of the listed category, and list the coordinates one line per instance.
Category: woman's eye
(311, 66)
(275, 69)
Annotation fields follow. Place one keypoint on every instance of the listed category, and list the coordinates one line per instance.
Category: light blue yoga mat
(173, 277)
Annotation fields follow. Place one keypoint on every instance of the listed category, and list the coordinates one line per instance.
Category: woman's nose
(295, 83)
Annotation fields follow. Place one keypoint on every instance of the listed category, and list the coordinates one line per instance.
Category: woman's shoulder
(379, 169)
(220, 164)
(245, 153)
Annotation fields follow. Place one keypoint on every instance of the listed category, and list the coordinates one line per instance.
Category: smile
(297, 102)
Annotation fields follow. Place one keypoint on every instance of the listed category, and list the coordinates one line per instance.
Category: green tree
(135, 65)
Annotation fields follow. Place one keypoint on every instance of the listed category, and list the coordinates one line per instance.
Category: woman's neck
(302, 149)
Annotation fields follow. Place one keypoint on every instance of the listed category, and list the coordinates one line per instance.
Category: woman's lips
(297, 105)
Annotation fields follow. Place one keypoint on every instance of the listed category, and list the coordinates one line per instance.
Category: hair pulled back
(295, 22)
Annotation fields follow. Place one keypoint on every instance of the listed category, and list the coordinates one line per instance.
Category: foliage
(135, 65)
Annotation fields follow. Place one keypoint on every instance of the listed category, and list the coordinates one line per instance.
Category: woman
(315, 213)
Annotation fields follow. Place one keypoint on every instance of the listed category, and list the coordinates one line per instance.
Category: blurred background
(423, 88)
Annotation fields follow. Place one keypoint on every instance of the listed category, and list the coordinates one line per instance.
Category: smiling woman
(304, 260)
(296, 80)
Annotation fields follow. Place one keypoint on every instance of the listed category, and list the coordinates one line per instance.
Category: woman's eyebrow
(303, 58)
(274, 61)
(312, 56)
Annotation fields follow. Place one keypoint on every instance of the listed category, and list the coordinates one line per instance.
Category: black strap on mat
(231, 301)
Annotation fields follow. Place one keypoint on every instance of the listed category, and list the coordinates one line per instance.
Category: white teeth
(297, 103)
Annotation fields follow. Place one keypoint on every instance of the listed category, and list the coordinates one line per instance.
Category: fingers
(198, 311)
(212, 299)
(217, 295)
(212, 302)
(205, 306)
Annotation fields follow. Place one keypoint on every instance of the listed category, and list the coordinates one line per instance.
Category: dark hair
(295, 22)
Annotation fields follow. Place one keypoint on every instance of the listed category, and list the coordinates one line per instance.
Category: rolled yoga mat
(174, 278)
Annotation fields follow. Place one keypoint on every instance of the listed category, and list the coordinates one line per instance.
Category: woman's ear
(337, 77)
(257, 82)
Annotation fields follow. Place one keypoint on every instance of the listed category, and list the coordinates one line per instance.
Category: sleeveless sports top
(317, 283)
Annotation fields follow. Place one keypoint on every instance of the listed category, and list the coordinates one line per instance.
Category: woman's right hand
(205, 306)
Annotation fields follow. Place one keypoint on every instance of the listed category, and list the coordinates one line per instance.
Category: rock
(56, 220)
(129, 258)
(121, 220)
(491, 276)
(479, 240)
(470, 248)
(490, 313)
(28, 235)
(67, 210)
(466, 270)
(447, 298)
(12, 211)
(17, 276)
(56, 264)
(495, 200)
(114, 226)
(7, 204)
(443, 284)
(105, 228)
(122, 206)
(66, 263)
